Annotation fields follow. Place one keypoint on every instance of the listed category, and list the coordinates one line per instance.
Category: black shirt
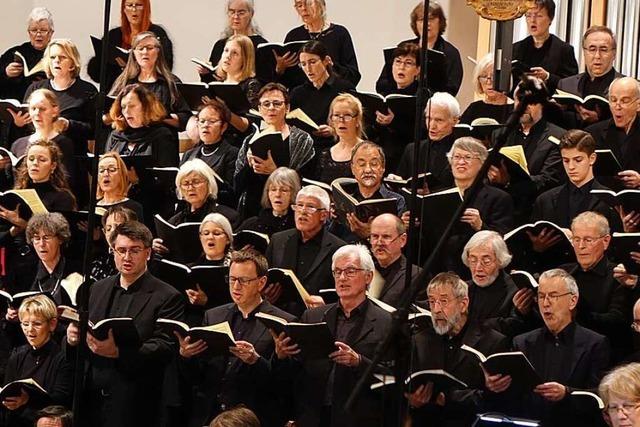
(267, 223)
(50, 282)
(122, 298)
(597, 85)
(432, 158)
(579, 198)
(240, 326)
(478, 109)
(558, 352)
(327, 169)
(389, 271)
(307, 252)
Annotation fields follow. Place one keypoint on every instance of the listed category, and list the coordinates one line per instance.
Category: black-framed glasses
(342, 117)
(242, 281)
(350, 272)
(384, 239)
(110, 170)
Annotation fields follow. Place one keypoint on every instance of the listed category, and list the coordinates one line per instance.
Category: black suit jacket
(282, 252)
(132, 381)
(312, 376)
(394, 285)
(436, 352)
(223, 382)
(583, 369)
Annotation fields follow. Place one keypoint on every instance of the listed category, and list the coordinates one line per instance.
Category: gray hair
(558, 273)
(356, 251)
(41, 14)
(488, 237)
(471, 145)
(202, 169)
(54, 223)
(281, 176)
(624, 80)
(316, 192)
(253, 27)
(221, 221)
(446, 100)
(458, 286)
(593, 218)
(484, 62)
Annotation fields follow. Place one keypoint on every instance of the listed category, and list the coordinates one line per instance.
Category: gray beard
(489, 282)
(451, 323)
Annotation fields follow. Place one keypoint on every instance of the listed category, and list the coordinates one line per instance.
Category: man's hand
(629, 178)
(104, 348)
(472, 217)
(420, 396)
(359, 228)
(499, 175)
(15, 402)
(197, 296)
(245, 351)
(624, 278)
(552, 391)
(158, 247)
(189, 349)
(496, 383)
(73, 334)
(314, 301)
(345, 355)
(546, 239)
(586, 115)
(523, 300)
(284, 345)
(384, 119)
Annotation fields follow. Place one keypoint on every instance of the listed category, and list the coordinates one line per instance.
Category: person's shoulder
(449, 47)
(589, 335)
(340, 29)
(283, 235)
(218, 312)
(550, 194)
(598, 127)
(495, 192)
(160, 287)
(85, 86)
(160, 130)
(554, 130)
(269, 308)
(526, 338)
(316, 314)
(559, 42)
(297, 33)
(158, 30)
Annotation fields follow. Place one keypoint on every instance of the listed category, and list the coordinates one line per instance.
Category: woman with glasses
(40, 359)
(135, 18)
(316, 26)
(493, 103)
(252, 171)
(148, 67)
(113, 184)
(346, 119)
(620, 392)
(197, 187)
(240, 22)
(278, 195)
(315, 95)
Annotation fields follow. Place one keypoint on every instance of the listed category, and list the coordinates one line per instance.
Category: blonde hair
(248, 56)
(38, 305)
(483, 63)
(624, 381)
(355, 106)
(69, 49)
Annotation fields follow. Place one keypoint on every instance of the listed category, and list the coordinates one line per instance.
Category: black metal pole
(83, 297)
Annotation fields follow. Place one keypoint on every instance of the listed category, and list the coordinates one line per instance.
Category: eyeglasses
(205, 122)
(444, 302)
(134, 6)
(626, 408)
(195, 183)
(110, 170)
(529, 16)
(350, 272)
(242, 281)
(342, 117)
(306, 208)
(467, 158)
(485, 79)
(588, 241)
(147, 48)
(44, 238)
(485, 261)
(553, 298)
(384, 239)
(35, 32)
(311, 63)
(207, 233)
(269, 104)
(240, 13)
(123, 252)
(623, 102)
(407, 63)
(592, 50)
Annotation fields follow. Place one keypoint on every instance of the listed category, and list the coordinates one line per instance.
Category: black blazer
(134, 379)
(606, 135)
(312, 377)
(282, 253)
(394, 285)
(225, 381)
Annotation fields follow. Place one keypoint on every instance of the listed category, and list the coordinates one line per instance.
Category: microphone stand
(83, 295)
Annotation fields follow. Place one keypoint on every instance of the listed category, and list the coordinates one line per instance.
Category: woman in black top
(148, 67)
(494, 104)
(279, 193)
(322, 86)
(240, 15)
(135, 18)
(316, 27)
(41, 359)
(436, 27)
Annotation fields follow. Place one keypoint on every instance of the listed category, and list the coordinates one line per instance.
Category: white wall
(194, 25)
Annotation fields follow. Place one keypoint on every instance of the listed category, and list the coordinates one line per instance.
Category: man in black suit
(125, 380)
(491, 289)
(243, 374)
(550, 58)
(307, 249)
(599, 47)
(388, 237)
(440, 348)
(323, 385)
(621, 133)
(565, 355)
(538, 139)
(561, 204)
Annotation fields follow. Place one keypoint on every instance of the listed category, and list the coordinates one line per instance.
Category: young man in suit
(323, 385)
(125, 380)
(307, 249)
(243, 374)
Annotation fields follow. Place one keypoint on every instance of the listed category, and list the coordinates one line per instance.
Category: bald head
(387, 237)
(624, 101)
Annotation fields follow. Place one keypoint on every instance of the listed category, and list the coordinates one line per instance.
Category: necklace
(210, 154)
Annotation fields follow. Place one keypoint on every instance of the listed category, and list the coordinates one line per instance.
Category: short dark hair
(121, 211)
(57, 412)
(274, 86)
(578, 139)
(134, 230)
(407, 49)
(549, 6)
(52, 222)
(253, 256)
(240, 416)
(435, 10)
(219, 107)
(368, 144)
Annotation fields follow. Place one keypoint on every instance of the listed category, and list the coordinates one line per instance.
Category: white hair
(446, 100)
(488, 237)
(569, 282)
(484, 62)
(471, 145)
(41, 14)
(221, 221)
(202, 169)
(357, 251)
(315, 192)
